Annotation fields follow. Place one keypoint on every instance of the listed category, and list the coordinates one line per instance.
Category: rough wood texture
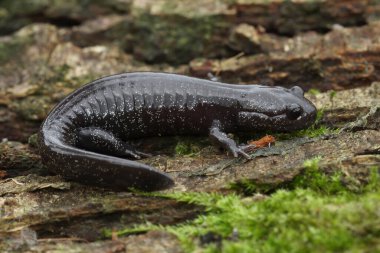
(329, 45)
(343, 58)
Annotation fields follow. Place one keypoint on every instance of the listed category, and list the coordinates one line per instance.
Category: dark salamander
(84, 136)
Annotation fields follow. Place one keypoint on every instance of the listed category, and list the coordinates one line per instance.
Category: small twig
(17, 182)
(361, 122)
(62, 239)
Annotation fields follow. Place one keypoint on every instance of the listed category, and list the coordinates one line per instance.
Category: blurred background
(48, 48)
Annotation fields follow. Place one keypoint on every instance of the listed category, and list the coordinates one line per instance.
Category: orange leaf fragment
(266, 141)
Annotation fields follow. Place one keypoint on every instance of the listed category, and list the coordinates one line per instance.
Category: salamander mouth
(282, 122)
(265, 118)
(292, 111)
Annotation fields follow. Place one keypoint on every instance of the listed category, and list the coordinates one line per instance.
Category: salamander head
(275, 108)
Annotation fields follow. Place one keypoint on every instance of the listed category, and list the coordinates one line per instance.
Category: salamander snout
(293, 111)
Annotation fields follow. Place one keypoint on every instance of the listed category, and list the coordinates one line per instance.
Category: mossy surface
(11, 49)
(176, 39)
(190, 146)
(32, 107)
(315, 130)
(16, 14)
(18, 157)
(316, 212)
(52, 87)
(298, 221)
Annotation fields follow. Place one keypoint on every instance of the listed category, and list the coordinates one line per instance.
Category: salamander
(84, 138)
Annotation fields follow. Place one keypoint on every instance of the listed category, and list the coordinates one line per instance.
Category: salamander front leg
(100, 141)
(221, 138)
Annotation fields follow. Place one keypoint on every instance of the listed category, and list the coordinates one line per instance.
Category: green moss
(53, 85)
(332, 94)
(313, 91)
(183, 149)
(33, 140)
(332, 183)
(186, 148)
(248, 187)
(303, 220)
(17, 13)
(314, 178)
(318, 214)
(316, 130)
(32, 107)
(54, 80)
(373, 180)
(11, 49)
(25, 7)
(177, 39)
(299, 221)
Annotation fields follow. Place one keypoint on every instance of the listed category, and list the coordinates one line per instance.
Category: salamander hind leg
(101, 141)
(220, 138)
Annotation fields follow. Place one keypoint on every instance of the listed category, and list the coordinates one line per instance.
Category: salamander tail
(98, 169)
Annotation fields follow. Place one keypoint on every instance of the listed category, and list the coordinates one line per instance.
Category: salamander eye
(293, 111)
(297, 91)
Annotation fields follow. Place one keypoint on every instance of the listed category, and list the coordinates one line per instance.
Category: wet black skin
(84, 137)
